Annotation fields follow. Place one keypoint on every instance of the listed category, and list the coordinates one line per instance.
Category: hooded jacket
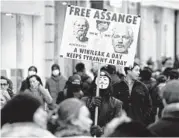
(55, 85)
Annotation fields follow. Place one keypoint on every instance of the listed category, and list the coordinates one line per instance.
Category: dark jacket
(152, 86)
(114, 78)
(138, 105)
(85, 82)
(168, 125)
(109, 109)
(55, 85)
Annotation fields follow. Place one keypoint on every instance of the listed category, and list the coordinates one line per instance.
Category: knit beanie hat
(171, 91)
(75, 79)
(21, 108)
(32, 68)
(69, 109)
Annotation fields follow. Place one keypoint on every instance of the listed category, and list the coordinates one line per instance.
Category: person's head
(23, 108)
(4, 83)
(167, 63)
(105, 87)
(33, 81)
(55, 70)
(161, 79)
(74, 86)
(81, 27)
(122, 38)
(167, 71)
(133, 72)
(102, 26)
(174, 74)
(73, 112)
(32, 71)
(80, 67)
(171, 92)
(111, 69)
(146, 73)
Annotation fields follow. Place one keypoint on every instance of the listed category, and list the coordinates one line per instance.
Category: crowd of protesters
(142, 102)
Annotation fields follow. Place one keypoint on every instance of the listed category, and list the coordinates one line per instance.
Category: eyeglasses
(3, 84)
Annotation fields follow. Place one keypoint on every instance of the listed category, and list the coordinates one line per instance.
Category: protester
(72, 119)
(23, 116)
(168, 125)
(56, 82)
(31, 71)
(146, 78)
(85, 79)
(35, 87)
(6, 84)
(72, 89)
(134, 95)
(109, 107)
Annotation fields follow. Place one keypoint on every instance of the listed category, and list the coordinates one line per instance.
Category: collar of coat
(171, 111)
(69, 131)
(24, 129)
(56, 78)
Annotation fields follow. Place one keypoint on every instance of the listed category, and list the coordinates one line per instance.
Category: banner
(100, 36)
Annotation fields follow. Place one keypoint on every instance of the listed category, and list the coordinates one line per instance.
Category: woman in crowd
(72, 119)
(56, 82)
(35, 87)
(23, 116)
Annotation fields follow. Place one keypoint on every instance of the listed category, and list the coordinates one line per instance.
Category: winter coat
(71, 131)
(168, 125)
(109, 109)
(114, 78)
(26, 129)
(138, 104)
(55, 85)
(41, 93)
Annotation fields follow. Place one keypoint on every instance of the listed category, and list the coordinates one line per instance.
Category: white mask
(103, 82)
(31, 73)
(55, 72)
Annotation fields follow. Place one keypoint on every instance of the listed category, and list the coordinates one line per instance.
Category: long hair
(37, 78)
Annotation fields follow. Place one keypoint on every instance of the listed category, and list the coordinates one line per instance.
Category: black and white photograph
(89, 68)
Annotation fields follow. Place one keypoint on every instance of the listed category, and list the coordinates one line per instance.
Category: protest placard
(100, 36)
